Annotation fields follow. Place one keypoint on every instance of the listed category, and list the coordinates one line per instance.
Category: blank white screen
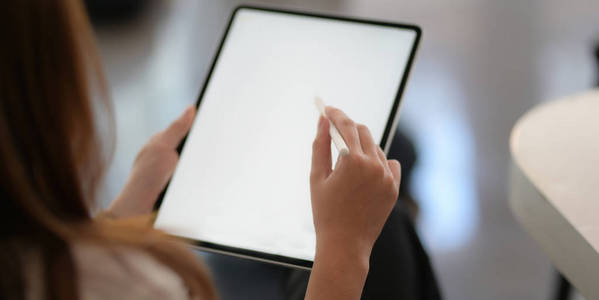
(243, 176)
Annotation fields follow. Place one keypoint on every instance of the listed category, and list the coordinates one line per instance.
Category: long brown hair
(51, 157)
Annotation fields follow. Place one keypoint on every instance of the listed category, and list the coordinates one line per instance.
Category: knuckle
(159, 148)
(362, 127)
(395, 164)
(346, 122)
(389, 185)
(380, 171)
(333, 112)
(146, 151)
(374, 171)
(389, 182)
(357, 160)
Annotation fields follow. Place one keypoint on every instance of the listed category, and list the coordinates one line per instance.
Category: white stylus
(335, 135)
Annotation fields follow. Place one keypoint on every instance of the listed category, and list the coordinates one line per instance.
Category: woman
(50, 149)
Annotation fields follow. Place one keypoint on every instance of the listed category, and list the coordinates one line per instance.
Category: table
(554, 184)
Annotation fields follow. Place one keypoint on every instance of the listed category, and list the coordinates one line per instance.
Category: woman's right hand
(350, 205)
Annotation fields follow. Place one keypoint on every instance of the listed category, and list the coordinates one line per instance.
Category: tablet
(241, 186)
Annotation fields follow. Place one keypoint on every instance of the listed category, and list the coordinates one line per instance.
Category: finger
(321, 151)
(173, 135)
(382, 158)
(366, 140)
(395, 170)
(346, 127)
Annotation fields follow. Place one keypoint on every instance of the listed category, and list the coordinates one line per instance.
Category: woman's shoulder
(120, 272)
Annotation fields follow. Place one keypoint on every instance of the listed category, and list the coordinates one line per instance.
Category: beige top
(120, 273)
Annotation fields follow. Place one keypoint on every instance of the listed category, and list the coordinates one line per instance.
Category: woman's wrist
(339, 272)
(353, 255)
(344, 242)
(343, 257)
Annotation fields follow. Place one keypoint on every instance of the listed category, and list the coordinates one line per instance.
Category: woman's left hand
(152, 168)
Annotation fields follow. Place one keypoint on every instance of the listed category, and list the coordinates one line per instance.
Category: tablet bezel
(385, 140)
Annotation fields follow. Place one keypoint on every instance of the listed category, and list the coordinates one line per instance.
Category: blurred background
(481, 65)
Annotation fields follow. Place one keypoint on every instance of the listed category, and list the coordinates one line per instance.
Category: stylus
(335, 135)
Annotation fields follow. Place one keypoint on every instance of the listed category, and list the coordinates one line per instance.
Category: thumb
(321, 151)
(173, 135)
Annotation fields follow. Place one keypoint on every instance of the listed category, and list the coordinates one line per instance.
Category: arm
(350, 206)
(153, 167)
